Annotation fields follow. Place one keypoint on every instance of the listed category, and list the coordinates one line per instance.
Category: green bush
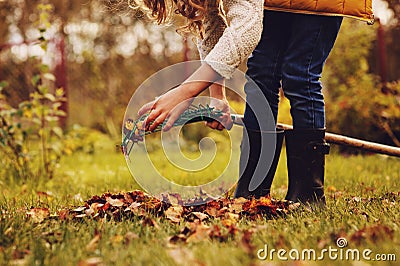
(31, 142)
(29, 133)
(356, 105)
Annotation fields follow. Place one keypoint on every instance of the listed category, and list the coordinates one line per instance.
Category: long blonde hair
(163, 10)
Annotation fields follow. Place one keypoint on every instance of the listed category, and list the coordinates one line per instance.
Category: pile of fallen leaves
(173, 208)
(196, 220)
(193, 215)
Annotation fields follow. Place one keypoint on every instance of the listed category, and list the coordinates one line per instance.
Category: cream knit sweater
(230, 35)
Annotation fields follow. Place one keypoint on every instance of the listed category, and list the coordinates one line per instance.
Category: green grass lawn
(362, 206)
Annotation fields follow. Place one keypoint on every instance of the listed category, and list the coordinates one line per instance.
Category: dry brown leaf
(212, 208)
(245, 242)
(181, 236)
(38, 214)
(175, 199)
(230, 219)
(63, 214)
(227, 222)
(222, 211)
(20, 254)
(215, 233)
(128, 198)
(373, 233)
(199, 215)
(182, 256)
(115, 202)
(21, 262)
(89, 212)
(95, 206)
(265, 201)
(92, 245)
(237, 205)
(322, 243)
(95, 261)
(79, 209)
(200, 233)
(44, 194)
(177, 239)
(174, 213)
(133, 206)
(129, 237)
(106, 206)
(232, 216)
(147, 221)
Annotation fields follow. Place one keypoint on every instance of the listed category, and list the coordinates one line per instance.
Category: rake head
(134, 130)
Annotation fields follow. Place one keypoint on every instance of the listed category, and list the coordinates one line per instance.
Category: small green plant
(30, 138)
(30, 130)
(12, 138)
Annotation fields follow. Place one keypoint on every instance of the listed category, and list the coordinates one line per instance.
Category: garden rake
(134, 131)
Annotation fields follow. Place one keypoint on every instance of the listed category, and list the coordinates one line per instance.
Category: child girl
(288, 43)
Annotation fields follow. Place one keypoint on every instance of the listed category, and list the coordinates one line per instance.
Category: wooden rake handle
(341, 140)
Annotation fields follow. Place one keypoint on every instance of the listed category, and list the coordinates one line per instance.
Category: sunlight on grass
(359, 208)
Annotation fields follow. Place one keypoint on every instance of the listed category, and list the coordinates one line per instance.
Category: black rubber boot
(306, 150)
(257, 167)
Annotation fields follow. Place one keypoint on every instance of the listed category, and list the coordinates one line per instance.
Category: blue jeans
(291, 54)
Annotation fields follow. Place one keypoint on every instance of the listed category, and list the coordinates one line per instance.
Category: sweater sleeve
(240, 37)
(214, 26)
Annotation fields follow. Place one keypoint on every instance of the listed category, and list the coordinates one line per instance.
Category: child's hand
(225, 121)
(173, 103)
(169, 105)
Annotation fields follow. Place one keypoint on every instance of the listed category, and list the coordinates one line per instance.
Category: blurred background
(99, 56)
